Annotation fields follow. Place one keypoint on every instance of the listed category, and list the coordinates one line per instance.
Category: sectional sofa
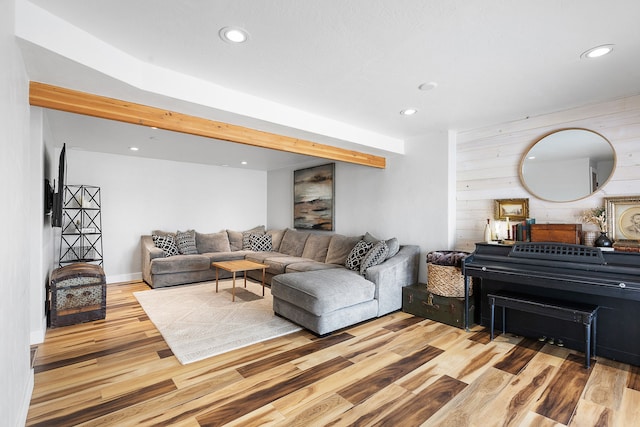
(321, 281)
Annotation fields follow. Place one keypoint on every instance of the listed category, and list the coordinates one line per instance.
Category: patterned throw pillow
(246, 236)
(260, 242)
(166, 243)
(186, 241)
(357, 254)
(376, 255)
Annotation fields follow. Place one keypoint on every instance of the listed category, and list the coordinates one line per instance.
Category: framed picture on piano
(512, 209)
(623, 218)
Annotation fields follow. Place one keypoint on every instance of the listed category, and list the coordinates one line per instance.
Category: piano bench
(577, 313)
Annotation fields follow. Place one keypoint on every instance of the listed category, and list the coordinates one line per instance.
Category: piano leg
(493, 309)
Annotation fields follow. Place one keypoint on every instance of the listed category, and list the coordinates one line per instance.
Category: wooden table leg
(233, 290)
(216, 280)
(245, 278)
(263, 282)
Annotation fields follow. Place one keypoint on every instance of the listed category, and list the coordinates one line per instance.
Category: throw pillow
(394, 247)
(376, 255)
(166, 243)
(186, 241)
(357, 254)
(260, 242)
(237, 238)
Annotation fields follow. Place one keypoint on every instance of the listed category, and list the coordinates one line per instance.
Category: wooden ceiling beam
(72, 101)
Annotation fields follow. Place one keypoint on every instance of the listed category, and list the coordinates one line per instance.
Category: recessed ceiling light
(243, 162)
(408, 112)
(598, 51)
(428, 86)
(133, 148)
(233, 35)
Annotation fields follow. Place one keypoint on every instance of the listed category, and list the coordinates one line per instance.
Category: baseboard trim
(26, 400)
(130, 277)
(37, 336)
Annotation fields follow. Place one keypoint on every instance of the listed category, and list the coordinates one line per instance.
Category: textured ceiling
(361, 61)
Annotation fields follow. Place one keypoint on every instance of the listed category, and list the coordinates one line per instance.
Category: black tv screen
(58, 197)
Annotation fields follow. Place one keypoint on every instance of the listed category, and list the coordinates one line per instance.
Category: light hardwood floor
(398, 370)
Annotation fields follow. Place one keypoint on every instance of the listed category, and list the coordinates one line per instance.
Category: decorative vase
(589, 237)
(603, 241)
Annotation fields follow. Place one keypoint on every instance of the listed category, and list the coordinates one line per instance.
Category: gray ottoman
(324, 300)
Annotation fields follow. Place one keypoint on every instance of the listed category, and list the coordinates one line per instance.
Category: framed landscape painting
(514, 209)
(313, 198)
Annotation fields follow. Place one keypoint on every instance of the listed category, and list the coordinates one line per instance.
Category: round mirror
(567, 165)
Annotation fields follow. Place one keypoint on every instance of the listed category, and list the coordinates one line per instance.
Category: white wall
(488, 159)
(16, 376)
(407, 199)
(140, 195)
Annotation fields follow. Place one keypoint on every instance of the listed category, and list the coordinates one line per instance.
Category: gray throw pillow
(354, 260)
(186, 242)
(394, 247)
(167, 243)
(376, 255)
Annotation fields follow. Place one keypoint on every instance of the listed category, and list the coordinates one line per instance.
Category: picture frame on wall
(313, 200)
(514, 209)
(623, 218)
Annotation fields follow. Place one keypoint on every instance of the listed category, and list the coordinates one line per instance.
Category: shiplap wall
(488, 160)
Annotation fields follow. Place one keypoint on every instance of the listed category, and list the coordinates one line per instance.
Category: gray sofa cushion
(316, 247)
(293, 242)
(260, 257)
(309, 266)
(322, 291)
(276, 238)
(180, 264)
(278, 264)
(237, 238)
(212, 242)
(339, 248)
(226, 256)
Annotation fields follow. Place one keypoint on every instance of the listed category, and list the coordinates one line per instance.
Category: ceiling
(357, 63)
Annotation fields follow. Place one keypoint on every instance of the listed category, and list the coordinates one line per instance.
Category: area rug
(196, 322)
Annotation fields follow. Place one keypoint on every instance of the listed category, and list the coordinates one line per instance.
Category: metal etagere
(81, 237)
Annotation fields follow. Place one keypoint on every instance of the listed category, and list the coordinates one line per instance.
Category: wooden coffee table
(236, 266)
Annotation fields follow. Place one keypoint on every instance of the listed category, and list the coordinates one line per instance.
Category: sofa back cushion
(276, 239)
(212, 242)
(339, 248)
(293, 242)
(316, 247)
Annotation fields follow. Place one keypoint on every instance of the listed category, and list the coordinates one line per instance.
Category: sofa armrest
(149, 251)
(392, 275)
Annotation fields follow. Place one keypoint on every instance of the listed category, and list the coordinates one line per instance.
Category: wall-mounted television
(58, 196)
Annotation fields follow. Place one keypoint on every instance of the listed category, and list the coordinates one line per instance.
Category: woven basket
(446, 281)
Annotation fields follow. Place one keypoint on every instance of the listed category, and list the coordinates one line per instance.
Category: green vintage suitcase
(418, 301)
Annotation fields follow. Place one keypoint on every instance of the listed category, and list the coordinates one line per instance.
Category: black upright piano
(572, 273)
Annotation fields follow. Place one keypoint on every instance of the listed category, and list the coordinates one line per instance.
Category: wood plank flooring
(398, 370)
